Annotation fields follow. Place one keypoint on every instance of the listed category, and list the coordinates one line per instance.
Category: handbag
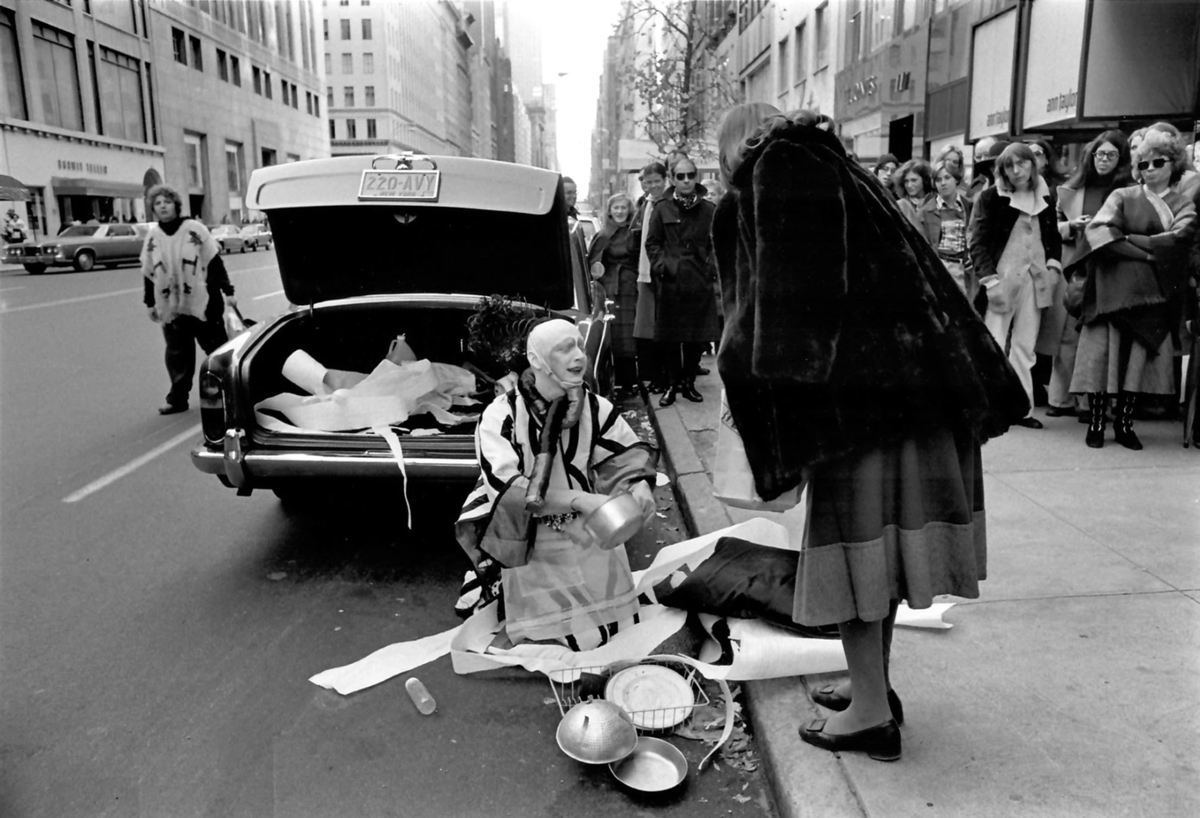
(1073, 300)
(733, 482)
(235, 324)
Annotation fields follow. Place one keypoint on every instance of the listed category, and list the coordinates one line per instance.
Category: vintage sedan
(228, 238)
(25, 253)
(255, 236)
(434, 237)
(86, 245)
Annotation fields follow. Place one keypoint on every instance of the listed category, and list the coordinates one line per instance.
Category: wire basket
(574, 685)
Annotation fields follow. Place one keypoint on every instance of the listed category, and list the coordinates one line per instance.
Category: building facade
(80, 124)
(240, 88)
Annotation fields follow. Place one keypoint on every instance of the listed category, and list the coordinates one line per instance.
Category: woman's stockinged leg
(863, 644)
(887, 625)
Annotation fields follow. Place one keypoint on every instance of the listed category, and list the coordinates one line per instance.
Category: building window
(308, 102)
(222, 65)
(193, 149)
(235, 68)
(348, 96)
(295, 97)
(178, 46)
(854, 38)
(326, 29)
(197, 54)
(801, 52)
(95, 87)
(369, 94)
(351, 129)
(316, 105)
(368, 63)
(267, 84)
(328, 63)
(235, 168)
(343, 2)
(332, 130)
(784, 59)
(57, 81)
(150, 105)
(347, 63)
(366, 27)
(121, 95)
(822, 37)
(12, 103)
(256, 74)
(345, 25)
(293, 157)
(370, 129)
(283, 91)
(328, 96)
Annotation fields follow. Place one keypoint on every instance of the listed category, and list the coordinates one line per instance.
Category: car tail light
(212, 408)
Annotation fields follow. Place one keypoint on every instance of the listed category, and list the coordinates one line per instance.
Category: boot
(668, 397)
(1097, 403)
(1123, 425)
(688, 390)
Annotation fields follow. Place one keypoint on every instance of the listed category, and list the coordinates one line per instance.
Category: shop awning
(96, 187)
(11, 190)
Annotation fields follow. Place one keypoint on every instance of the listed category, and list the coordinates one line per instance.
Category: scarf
(643, 256)
(687, 201)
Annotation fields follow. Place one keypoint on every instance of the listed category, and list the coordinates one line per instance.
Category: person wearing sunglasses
(1104, 167)
(681, 264)
(1017, 250)
(1127, 341)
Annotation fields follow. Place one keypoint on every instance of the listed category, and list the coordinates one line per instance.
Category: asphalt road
(157, 632)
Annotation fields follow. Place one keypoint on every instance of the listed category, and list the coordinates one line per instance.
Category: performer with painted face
(554, 582)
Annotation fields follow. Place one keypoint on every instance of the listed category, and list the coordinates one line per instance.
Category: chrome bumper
(256, 469)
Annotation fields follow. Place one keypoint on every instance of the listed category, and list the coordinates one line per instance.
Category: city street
(159, 631)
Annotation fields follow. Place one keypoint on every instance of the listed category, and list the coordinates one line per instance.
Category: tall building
(399, 77)
(239, 86)
(80, 123)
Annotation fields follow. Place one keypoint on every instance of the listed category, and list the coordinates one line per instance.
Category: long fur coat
(843, 329)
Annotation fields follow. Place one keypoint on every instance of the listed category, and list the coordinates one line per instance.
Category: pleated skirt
(901, 522)
(1108, 360)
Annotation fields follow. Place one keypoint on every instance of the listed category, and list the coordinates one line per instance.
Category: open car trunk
(355, 337)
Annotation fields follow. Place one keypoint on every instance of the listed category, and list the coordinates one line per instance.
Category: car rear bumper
(261, 469)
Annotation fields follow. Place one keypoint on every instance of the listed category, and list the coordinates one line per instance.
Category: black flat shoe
(1094, 439)
(881, 742)
(668, 398)
(691, 394)
(172, 408)
(1059, 411)
(1128, 439)
(831, 700)
(1029, 423)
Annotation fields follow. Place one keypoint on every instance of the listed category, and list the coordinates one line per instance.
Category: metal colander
(597, 732)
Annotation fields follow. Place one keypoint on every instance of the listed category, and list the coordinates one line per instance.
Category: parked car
(256, 236)
(229, 238)
(25, 253)
(86, 245)
(433, 236)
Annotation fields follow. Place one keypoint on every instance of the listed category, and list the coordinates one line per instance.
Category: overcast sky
(573, 41)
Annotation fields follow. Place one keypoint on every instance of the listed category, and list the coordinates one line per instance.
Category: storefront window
(57, 81)
(235, 165)
(121, 95)
(193, 145)
(12, 97)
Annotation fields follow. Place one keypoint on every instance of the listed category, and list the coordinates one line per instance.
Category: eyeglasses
(682, 176)
(1037, 152)
(1157, 163)
(1111, 156)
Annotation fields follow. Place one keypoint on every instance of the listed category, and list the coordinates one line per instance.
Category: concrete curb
(806, 783)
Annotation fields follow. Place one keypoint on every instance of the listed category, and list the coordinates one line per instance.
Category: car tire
(35, 269)
(85, 261)
(243, 247)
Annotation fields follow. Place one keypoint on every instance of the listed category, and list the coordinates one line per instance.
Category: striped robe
(553, 588)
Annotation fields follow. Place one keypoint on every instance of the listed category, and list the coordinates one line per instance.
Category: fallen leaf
(276, 575)
(741, 799)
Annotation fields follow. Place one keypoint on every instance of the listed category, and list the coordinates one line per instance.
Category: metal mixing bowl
(596, 732)
(654, 766)
(614, 522)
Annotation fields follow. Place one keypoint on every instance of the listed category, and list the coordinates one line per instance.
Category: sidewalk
(1070, 688)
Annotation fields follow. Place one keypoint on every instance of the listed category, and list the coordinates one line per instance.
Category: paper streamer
(306, 372)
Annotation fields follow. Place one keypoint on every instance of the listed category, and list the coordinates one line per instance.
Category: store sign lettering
(86, 167)
(997, 118)
(1062, 102)
(861, 90)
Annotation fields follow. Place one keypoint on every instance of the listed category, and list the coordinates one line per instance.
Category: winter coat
(679, 243)
(843, 330)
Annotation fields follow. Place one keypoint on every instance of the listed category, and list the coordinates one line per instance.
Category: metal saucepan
(614, 522)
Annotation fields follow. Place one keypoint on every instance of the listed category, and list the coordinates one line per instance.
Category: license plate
(400, 185)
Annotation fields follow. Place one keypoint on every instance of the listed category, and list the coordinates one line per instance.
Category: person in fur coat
(852, 359)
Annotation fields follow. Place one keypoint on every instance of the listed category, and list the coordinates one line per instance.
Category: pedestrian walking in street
(615, 248)
(1103, 168)
(1127, 342)
(556, 583)
(849, 357)
(1016, 250)
(679, 245)
(653, 179)
(944, 220)
(915, 186)
(186, 289)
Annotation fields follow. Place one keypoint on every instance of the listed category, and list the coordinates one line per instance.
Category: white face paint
(555, 348)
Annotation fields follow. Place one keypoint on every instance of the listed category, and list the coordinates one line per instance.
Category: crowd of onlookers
(1085, 276)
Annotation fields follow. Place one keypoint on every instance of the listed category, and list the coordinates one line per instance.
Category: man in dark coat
(679, 244)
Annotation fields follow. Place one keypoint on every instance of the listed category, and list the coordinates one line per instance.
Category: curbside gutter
(805, 782)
